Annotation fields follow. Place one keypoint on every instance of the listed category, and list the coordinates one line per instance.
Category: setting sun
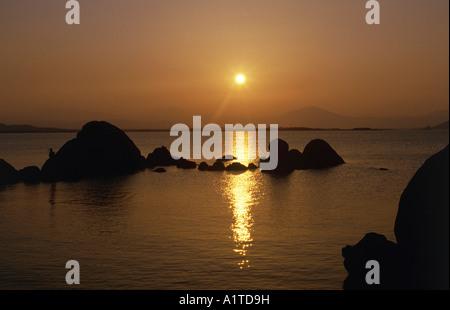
(240, 79)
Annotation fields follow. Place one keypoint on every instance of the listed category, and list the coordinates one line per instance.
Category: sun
(240, 79)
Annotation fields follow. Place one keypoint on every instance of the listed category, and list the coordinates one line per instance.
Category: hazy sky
(128, 58)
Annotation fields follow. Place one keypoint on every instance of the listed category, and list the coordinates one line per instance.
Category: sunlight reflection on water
(243, 191)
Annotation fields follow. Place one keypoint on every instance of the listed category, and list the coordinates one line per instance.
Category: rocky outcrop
(31, 174)
(420, 258)
(294, 159)
(422, 223)
(186, 164)
(217, 166)
(252, 166)
(318, 154)
(8, 174)
(203, 166)
(373, 247)
(160, 157)
(100, 149)
(236, 167)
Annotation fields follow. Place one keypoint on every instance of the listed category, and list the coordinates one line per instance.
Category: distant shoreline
(61, 130)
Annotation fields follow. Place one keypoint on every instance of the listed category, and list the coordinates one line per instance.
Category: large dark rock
(100, 149)
(160, 157)
(30, 174)
(295, 158)
(373, 247)
(186, 164)
(420, 259)
(8, 174)
(284, 163)
(422, 223)
(318, 154)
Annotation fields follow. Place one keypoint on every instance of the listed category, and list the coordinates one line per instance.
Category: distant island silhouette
(30, 129)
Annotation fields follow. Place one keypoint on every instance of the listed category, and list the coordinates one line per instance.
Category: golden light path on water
(243, 190)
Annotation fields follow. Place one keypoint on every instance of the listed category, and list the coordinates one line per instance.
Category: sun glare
(240, 79)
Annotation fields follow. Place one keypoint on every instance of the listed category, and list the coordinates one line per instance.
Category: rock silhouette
(186, 164)
(236, 167)
(100, 149)
(318, 154)
(160, 157)
(294, 159)
(373, 247)
(8, 174)
(252, 166)
(159, 170)
(420, 259)
(284, 164)
(31, 174)
(203, 166)
(422, 223)
(217, 166)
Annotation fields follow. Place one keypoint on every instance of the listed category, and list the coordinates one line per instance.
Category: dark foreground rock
(422, 223)
(373, 247)
(161, 157)
(318, 154)
(420, 259)
(100, 149)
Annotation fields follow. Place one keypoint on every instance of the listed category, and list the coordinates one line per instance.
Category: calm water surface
(186, 229)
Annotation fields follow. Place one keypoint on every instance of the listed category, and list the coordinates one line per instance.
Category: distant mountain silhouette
(28, 129)
(165, 117)
(443, 125)
(315, 117)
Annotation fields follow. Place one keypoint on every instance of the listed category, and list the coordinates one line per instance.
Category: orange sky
(129, 58)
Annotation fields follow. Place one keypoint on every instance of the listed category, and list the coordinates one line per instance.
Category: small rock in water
(159, 170)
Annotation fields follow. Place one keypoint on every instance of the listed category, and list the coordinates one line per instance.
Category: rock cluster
(420, 258)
